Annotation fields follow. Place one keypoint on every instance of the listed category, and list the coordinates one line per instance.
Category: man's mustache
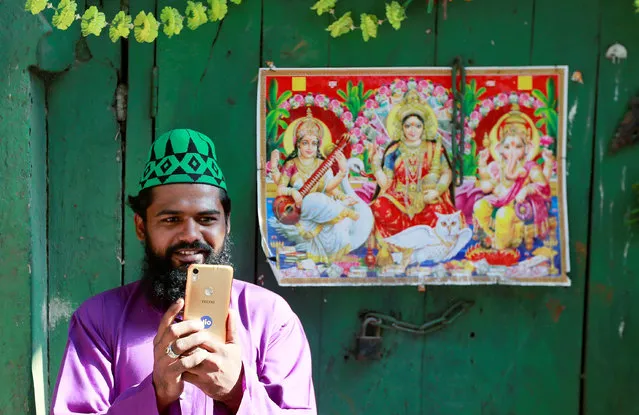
(197, 245)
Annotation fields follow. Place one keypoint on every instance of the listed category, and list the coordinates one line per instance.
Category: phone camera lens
(195, 270)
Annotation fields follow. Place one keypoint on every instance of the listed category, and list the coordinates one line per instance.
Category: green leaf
(540, 123)
(93, 21)
(272, 95)
(539, 95)
(217, 10)
(550, 87)
(551, 125)
(120, 27)
(195, 14)
(368, 94)
(172, 21)
(64, 14)
(284, 97)
(352, 91)
(342, 94)
(395, 14)
(146, 27)
(341, 26)
(282, 124)
(323, 6)
(35, 6)
(271, 124)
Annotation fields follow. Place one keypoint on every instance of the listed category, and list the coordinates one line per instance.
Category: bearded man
(130, 352)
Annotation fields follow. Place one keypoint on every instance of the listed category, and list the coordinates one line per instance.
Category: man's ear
(140, 228)
(228, 225)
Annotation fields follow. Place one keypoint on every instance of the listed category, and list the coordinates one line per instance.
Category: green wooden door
(517, 351)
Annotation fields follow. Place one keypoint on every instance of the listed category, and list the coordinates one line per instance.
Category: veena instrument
(284, 207)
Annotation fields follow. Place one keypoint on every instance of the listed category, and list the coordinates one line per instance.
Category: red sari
(397, 208)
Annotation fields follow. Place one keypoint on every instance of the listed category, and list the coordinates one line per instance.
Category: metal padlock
(370, 347)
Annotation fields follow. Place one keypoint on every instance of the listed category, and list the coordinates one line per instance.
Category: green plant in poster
(548, 111)
(274, 114)
(472, 96)
(470, 161)
(470, 101)
(354, 97)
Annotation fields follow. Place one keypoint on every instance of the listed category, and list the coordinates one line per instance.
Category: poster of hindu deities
(364, 178)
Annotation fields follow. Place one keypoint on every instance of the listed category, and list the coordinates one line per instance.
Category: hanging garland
(146, 27)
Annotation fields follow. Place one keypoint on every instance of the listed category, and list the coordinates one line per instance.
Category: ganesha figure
(518, 195)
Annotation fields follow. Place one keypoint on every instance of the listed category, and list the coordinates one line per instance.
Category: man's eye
(207, 219)
(171, 219)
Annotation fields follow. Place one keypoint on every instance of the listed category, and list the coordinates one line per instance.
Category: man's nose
(190, 231)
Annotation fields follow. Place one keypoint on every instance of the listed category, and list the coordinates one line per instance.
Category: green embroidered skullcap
(182, 156)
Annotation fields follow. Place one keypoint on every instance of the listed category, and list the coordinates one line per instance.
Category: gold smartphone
(207, 297)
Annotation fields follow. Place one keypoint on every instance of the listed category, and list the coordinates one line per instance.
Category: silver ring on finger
(169, 352)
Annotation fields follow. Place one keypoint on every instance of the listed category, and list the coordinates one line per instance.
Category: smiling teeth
(188, 252)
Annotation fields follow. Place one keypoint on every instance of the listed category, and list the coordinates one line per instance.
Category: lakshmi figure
(333, 220)
(413, 176)
(517, 188)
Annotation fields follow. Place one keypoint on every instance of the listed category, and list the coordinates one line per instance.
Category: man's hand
(220, 374)
(167, 371)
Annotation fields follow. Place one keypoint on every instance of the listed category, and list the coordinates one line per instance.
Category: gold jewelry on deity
(309, 126)
(413, 104)
(514, 124)
(413, 158)
(306, 167)
(441, 188)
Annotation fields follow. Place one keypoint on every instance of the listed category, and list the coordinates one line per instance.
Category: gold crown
(515, 125)
(413, 105)
(309, 125)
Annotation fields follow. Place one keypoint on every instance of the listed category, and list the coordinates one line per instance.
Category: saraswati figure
(332, 219)
(413, 178)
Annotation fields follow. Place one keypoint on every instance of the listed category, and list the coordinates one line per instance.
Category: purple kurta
(108, 362)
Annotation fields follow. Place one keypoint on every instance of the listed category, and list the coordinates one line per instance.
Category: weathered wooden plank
(507, 354)
(563, 339)
(613, 317)
(138, 135)
(39, 243)
(21, 237)
(486, 33)
(207, 82)
(299, 42)
(85, 185)
(390, 385)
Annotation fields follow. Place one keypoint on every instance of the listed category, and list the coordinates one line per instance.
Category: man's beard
(164, 284)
